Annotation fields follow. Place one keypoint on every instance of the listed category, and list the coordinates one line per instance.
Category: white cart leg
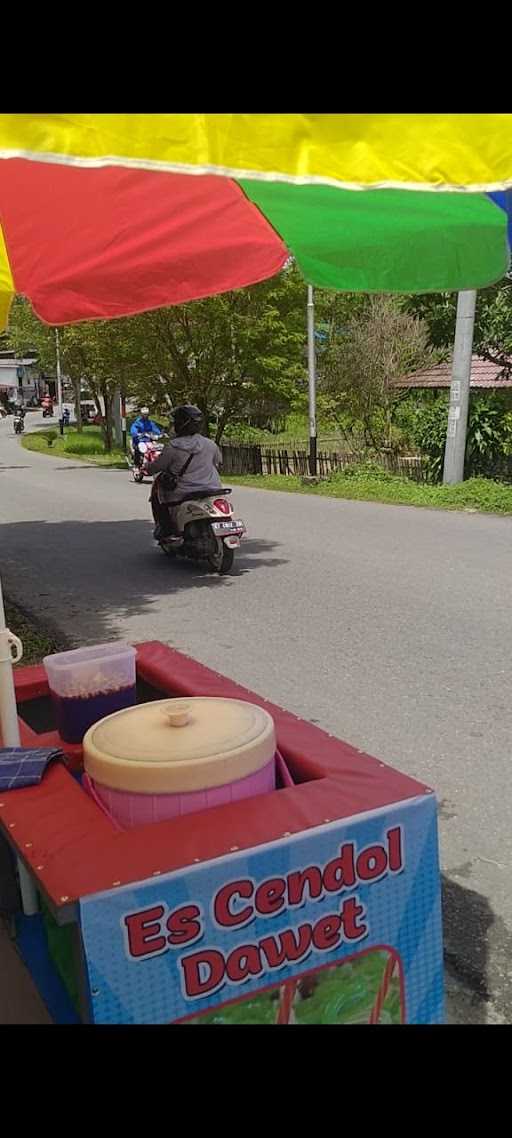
(11, 650)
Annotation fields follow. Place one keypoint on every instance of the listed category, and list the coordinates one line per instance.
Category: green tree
(107, 355)
(237, 356)
(493, 322)
(371, 342)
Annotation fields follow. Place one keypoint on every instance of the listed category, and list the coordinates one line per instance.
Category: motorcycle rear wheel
(222, 563)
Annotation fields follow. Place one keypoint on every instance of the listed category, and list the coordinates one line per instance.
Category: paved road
(388, 626)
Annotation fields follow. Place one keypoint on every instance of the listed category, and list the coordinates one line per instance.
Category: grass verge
(85, 446)
(481, 495)
(36, 642)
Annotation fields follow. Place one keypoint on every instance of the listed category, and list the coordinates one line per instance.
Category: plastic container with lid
(89, 683)
(174, 756)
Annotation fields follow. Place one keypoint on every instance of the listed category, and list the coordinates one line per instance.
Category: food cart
(318, 902)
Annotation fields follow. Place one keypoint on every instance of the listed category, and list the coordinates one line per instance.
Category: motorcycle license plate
(228, 527)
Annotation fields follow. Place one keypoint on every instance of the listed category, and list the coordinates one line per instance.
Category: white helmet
(144, 410)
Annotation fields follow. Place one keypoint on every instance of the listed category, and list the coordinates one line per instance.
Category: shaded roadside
(38, 640)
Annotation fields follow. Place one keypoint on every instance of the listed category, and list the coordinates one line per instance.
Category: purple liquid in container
(75, 714)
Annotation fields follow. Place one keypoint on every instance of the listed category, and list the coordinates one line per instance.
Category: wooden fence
(254, 459)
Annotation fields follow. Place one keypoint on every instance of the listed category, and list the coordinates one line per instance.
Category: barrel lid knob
(177, 716)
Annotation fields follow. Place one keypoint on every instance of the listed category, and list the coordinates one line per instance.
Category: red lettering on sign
(223, 904)
(203, 972)
(183, 925)
(286, 947)
(340, 872)
(297, 882)
(142, 932)
(243, 962)
(371, 863)
(395, 849)
(269, 896)
(351, 911)
(327, 933)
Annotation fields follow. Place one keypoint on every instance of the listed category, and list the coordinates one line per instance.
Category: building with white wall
(20, 379)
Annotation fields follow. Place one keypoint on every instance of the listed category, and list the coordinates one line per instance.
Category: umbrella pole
(11, 650)
(8, 710)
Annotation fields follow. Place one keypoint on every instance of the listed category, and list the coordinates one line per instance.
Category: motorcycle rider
(191, 458)
(141, 426)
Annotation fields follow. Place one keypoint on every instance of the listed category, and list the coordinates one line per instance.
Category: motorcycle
(150, 447)
(47, 412)
(19, 423)
(206, 529)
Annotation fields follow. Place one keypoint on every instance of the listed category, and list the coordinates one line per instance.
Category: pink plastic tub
(130, 810)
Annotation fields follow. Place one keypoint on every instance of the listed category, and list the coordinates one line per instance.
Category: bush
(404, 416)
(243, 433)
(50, 437)
(488, 434)
(362, 471)
(429, 428)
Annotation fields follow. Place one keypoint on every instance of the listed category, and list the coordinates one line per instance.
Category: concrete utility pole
(312, 383)
(459, 390)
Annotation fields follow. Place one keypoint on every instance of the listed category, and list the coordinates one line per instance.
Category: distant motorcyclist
(141, 426)
(19, 420)
(190, 458)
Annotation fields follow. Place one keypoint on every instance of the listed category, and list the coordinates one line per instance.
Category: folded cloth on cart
(25, 766)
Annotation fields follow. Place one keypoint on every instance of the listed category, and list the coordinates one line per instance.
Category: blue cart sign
(339, 924)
